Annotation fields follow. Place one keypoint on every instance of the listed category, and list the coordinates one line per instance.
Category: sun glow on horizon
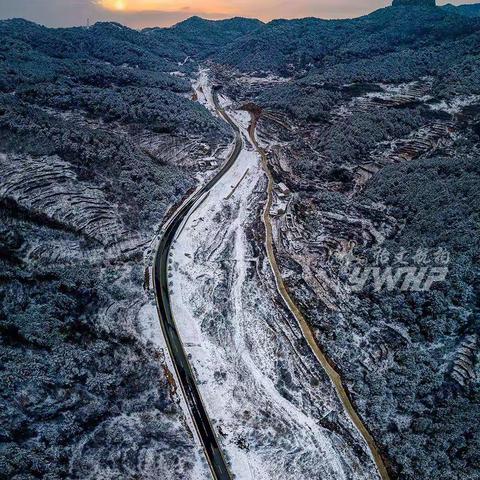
(265, 10)
(120, 5)
(135, 6)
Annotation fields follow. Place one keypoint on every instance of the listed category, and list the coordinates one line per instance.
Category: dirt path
(305, 327)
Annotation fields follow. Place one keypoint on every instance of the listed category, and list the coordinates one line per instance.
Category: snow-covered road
(274, 409)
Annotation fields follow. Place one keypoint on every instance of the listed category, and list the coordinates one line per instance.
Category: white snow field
(275, 411)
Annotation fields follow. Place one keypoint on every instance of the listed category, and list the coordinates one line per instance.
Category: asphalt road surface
(180, 360)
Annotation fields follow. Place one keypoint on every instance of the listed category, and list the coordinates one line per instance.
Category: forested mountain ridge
(467, 10)
(287, 46)
(98, 138)
(201, 38)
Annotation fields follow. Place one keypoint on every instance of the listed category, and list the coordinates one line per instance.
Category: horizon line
(205, 18)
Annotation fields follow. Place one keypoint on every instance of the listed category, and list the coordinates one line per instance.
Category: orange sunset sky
(147, 13)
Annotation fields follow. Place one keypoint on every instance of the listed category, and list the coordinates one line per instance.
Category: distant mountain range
(249, 44)
(285, 46)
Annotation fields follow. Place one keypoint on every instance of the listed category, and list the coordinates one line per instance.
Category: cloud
(142, 13)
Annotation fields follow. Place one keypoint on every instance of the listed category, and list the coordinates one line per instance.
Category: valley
(241, 250)
(256, 374)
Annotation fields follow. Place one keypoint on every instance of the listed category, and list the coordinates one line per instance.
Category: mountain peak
(414, 3)
(238, 22)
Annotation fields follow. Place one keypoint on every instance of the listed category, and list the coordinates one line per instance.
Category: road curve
(183, 369)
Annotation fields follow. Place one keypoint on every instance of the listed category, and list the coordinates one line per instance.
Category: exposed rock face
(414, 3)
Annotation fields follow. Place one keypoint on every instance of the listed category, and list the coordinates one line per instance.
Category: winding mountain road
(180, 360)
(183, 369)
